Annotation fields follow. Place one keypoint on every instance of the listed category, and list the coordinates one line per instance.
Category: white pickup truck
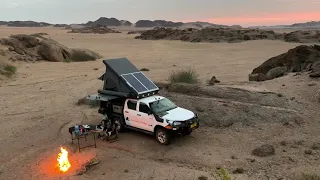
(155, 115)
(131, 100)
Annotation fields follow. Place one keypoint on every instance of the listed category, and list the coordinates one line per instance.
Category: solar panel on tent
(139, 82)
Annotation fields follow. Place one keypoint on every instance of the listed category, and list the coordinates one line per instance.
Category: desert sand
(39, 104)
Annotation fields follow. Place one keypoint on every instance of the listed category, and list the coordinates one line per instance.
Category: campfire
(63, 161)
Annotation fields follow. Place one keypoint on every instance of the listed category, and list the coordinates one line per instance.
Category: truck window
(132, 104)
(144, 108)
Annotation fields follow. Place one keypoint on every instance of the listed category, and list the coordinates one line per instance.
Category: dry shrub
(81, 101)
(188, 76)
(223, 174)
(85, 101)
(7, 70)
(144, 69)
(83, 55)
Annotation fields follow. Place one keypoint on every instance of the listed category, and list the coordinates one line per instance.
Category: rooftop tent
(122, 76)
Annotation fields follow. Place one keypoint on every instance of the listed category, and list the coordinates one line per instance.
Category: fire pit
(63, 161)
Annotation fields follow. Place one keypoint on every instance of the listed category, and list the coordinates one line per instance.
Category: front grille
(188, 122)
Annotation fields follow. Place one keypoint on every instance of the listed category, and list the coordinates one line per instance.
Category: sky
(229, 12)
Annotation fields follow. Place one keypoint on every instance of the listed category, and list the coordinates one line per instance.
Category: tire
(163, 136)
(121, 124)
(187, 132)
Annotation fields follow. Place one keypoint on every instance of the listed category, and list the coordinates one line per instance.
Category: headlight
(176, 123)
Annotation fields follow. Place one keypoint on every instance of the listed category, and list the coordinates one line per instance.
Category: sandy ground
(39, 105)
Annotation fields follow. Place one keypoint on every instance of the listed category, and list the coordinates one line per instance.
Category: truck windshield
(162, 106)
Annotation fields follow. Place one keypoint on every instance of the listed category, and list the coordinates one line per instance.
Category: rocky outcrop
(306, 36)
(94, 29)
(27, 24)
(299, 59)
(61, 25)
(135, 32)
(157, 23)
(34, 48)
(208, 34)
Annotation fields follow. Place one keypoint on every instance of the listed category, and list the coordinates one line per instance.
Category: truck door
(146, 119)
(130, 113)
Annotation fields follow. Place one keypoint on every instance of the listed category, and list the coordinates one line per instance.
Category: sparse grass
(309, 177)
(144, 69)
(80, 56)
(202, 178)
(223, 174)
(7, 70)
(67, 61)
(188, 76)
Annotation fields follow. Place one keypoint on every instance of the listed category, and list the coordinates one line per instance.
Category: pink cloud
(264, 19)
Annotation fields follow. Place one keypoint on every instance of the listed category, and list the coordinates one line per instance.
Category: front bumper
(190, 124)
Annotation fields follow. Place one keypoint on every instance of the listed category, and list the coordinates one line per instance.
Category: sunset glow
(272, 19)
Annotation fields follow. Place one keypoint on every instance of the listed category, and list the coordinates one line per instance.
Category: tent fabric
(120, 66)
(113, 80)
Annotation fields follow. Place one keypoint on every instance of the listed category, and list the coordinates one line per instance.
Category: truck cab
(131, 100)
(159, 116)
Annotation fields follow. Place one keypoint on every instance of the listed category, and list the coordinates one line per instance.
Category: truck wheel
(120, 124)
(163, 136)
(187, 132)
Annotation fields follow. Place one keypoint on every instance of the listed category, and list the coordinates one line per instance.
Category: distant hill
(24, 24)
(311, 24)
(104, 21)
(108, 22)
(307, 24)
(125, 23)
(170, 24)
(3, 23)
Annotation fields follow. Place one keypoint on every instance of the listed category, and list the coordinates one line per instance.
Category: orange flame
(63, 161)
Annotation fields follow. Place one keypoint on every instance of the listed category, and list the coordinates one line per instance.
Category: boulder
(315, 69)
(315, 74)
(213, 80)
(257, 77)
(305, 36)
(264, 151)
(299, 59)
(276, 72)
(2, 52)
(53, 52)
(33, 48)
